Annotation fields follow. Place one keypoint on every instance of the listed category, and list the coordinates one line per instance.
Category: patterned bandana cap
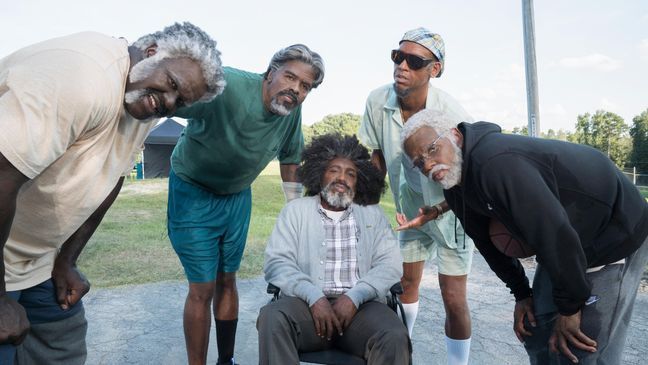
(429, 40)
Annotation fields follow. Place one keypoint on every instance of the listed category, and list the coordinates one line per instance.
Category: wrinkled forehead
(420, 140)
(303, 70)
(183, 66)
(343, 163)
(188, 75)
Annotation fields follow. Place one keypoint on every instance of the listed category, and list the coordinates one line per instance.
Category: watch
(439, 210)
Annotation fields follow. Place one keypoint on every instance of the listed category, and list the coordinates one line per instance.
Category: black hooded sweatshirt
(569, 202)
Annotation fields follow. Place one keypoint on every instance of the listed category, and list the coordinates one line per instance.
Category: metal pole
(531, 70)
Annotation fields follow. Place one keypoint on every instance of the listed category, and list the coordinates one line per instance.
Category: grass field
(131, 244)
(644, 191)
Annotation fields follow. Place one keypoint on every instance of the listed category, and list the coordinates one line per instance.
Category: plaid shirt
(341, 266)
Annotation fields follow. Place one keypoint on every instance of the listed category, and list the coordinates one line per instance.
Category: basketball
(506, 243)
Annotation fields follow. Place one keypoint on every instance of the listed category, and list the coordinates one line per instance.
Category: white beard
(453, 177)
(140, 71)
(278, 108)
(134, 95)
(145, 68)
(338, 200)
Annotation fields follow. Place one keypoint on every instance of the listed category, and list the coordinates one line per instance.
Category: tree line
(626, 145)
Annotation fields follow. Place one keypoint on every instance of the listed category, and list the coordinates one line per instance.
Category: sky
(591, 54)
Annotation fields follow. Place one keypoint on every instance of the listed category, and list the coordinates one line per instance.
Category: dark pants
(605, 321)
(376, 334)
(56, 336)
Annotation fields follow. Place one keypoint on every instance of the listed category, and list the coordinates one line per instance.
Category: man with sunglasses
(419, 58)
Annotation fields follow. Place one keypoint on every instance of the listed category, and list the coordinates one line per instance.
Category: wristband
(439, 210)
(292, 190)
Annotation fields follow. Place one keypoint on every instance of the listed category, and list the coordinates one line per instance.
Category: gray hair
(441, 122)
(298, 52)
(185, 40)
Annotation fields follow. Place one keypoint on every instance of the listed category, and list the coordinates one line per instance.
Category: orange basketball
(506, 243)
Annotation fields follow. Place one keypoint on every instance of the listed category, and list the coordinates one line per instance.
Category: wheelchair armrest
(396, 289)
(272, 289)
(394, 301)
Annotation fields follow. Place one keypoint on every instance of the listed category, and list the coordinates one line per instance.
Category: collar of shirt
(344, 216)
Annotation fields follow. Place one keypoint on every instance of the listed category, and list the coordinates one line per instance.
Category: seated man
(334, 257)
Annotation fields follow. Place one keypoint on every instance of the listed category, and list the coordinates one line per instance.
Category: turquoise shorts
(207, 231)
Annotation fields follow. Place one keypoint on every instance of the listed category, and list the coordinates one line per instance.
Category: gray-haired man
(74, 111)
(585, 221)
(225, 146)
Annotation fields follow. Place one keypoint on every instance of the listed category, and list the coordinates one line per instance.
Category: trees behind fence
(636, 178)
(626, 145)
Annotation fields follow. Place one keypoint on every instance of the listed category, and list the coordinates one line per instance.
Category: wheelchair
(337, 357)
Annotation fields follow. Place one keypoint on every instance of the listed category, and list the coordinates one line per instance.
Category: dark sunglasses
(414, 62)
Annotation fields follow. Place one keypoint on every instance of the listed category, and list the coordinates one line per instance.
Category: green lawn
(644, 191)
(131, 244)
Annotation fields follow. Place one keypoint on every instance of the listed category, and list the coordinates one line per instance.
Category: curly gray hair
(183, 40)
(441, 122)
(298, 52)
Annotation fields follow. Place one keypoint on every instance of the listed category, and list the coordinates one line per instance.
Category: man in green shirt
(225, 146)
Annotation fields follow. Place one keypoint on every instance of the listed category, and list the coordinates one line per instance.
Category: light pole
(531, 69)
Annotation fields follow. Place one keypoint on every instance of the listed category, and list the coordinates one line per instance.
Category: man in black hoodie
(584, 219)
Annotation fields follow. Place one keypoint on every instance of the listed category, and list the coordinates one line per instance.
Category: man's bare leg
(457, 323)
(197, 321)
(412, 274)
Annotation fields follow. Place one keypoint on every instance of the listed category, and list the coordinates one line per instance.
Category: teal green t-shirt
(230, 140)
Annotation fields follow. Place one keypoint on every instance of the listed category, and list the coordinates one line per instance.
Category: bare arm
(288, 172)
(291, 186)
(13, 319)
(10, 182)
(378, 160)
(426, 213)
(71, 284)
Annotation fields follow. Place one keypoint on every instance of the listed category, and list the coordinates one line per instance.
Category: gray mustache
(290, 94)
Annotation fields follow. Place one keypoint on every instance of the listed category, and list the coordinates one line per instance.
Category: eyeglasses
(414, 62)
(431, 152)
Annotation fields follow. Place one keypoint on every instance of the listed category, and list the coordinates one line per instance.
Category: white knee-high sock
(411, 311)
(458, 351)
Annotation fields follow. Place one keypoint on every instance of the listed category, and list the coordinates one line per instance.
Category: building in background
(158, 147)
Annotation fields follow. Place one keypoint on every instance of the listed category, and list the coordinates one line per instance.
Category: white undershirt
(334, 215)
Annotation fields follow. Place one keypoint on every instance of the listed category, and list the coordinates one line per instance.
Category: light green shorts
(453, 258)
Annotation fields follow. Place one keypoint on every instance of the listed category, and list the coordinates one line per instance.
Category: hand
(567, 328)
(523, 308)
(425, 214)
(71, 284)
(325, 319)
(344, 310)
(13, 321)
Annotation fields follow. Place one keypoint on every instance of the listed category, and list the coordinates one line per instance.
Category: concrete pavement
(143, 324)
